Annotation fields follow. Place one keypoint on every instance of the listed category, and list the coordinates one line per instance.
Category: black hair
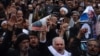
(20, 38)
(35, 33)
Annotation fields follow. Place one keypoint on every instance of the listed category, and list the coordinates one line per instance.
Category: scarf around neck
(55, 53)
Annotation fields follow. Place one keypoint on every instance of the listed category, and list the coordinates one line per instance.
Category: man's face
(59, 45)
(19, 14)
(93, 48)
(33, 40)
(75, 17)
(62, 12)
(69, 3)
(24, 45)
(30, 7)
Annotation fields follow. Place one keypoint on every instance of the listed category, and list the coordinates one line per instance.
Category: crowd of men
(48, 28)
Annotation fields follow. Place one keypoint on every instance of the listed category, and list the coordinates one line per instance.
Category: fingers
(84, 30)
(64, 26)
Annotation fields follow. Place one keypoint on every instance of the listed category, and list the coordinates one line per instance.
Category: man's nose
(26, 44)
(93, 46)
(60, 45)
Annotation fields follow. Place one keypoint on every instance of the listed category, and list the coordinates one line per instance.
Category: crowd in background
(47, 28)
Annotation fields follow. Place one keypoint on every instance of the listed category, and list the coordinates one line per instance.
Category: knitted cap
(20, 38)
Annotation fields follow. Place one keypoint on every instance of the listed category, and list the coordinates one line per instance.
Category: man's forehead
(58, 40)
(93, 42)
(19, 11)
(33, 36)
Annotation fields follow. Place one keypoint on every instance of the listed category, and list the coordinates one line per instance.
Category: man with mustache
(92, 48)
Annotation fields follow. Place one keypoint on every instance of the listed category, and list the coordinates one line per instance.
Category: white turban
(64, 9)
(4, 22)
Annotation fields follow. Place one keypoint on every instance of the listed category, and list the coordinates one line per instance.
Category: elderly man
(56, 49)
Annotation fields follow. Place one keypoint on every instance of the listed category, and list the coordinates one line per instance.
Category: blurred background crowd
(30, 27)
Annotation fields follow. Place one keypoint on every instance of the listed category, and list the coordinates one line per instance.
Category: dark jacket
(6, 43)
(36, 50)
(74, 47)
(15, 52)
(44, 51)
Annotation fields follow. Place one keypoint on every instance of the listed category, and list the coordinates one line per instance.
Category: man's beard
(93, 53)
(25, 49)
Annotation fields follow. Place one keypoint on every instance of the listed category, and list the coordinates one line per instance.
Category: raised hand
(43, 33)
(81, 33)
(19, 22)
(11, 21)
(63, 28)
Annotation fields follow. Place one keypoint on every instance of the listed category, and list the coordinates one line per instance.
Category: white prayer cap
(64, 9)
(4, 22)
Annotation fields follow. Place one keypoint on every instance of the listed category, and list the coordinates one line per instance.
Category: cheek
(55, 20)
(96, 49)
(90, 48)
(62, 46)
(62, 12)
(36, 41)
(4, 26)
(57, 47)
(21, 46)
(14, 38)
(76, 17)
(33, 40)
(30, 40)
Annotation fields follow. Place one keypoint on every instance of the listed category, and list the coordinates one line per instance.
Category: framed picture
(89, 32)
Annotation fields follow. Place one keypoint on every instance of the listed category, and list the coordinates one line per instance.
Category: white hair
(56, 38)
(64, 9)
(30, 5)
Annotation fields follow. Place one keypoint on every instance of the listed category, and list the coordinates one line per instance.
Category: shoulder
(33, 52)
(12, 52)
